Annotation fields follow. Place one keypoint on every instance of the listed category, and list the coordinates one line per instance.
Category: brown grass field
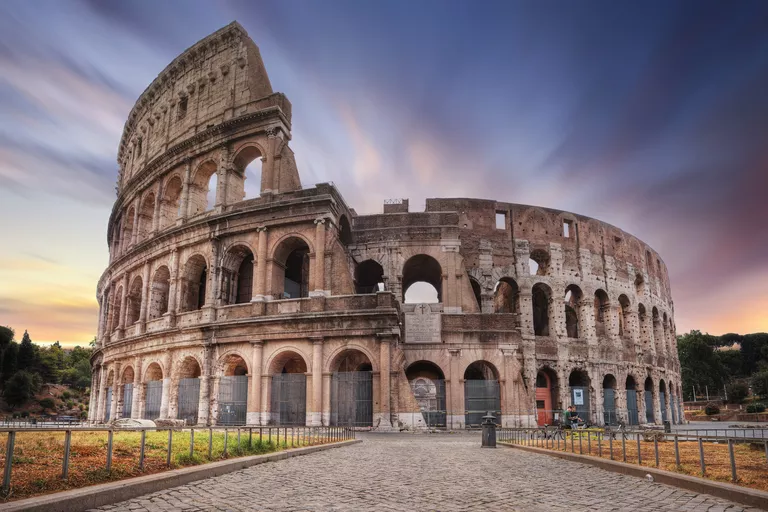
(751, 464)
(38, 456)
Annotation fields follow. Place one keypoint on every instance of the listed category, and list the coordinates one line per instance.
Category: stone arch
(369, 277)
(639, 284)
(127, 375)
(146, 215)
(171, 201)
(114, 312)
(351, 358)
(188, 368)
(153, 371)
(288, 360)
(482, 391)
(649, 393)
(573, 311)
(645, 334)
(125, 239)
(345, 231)
(248, 159)
(506, 297)
(160, 292)
(547, 392)
(334, 359)
(538, 262)
(194, 283)
(602, 312)
(541, 301)
(580, 386)
(185, 393)
(658, 337)
(609, 406)
(427, 382)
(422, 268)
(481, 370)
(237, 274)
(200, 191)
(625, 324)
(291, 267)
(477, 292)
(133, 303)
(232, 363)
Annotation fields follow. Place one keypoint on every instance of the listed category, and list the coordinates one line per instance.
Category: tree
(759, 383)
(699, 364)
(752, 346)
(28, 356)
(10, 357)
(732, 361)
(6, 336)
(52, 360)
(20, 388)
(737, 392)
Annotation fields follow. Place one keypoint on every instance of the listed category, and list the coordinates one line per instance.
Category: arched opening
(506, 297)
(601, 313)
(188, 396)
(237, 275)
(134, 302)
(171, 203)
(290, 265)
(428, 386)
(202, 190)
(146, 213)
(538, 263)
(657, 331)
(194, 283)
(476, 293)
(158, 302)
(117, 302)
(352, 390)
(578, 382)
(663, 400)
(541, 296)
(153, 391)
(246, 180)
(127, 229)
(546, 396)
(233, 390)
(650, 417)
(369, 277)
(424, 274)
(289, 389)
(624, 316)
(345, 231)
(645, 335)
(482, 393)
(573, 296)
(639, 284)
(126, 394)
(610, 416)
(630, 386)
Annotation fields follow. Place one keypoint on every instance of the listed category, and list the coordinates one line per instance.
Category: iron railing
(641, 446)
(285, 437)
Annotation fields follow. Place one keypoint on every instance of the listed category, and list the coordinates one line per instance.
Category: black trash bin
(489, 431)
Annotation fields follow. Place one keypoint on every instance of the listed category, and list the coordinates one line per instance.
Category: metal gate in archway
(153, 397)
(108, 407)
(127, 401)
(289, 399)
(632, 412)
(649, 407)
(609, 407)
(663, 403)
(352, 399)
(480, 398)
(430, 395)
(188, 400)
(233, 400)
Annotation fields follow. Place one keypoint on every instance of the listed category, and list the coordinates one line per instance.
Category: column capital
(316, 340)
(456, 352)
(257, 343)
(384, 337)
(320, 220)
(261, 229)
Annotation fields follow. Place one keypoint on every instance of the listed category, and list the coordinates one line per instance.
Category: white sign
(423, 325)
(578, 397)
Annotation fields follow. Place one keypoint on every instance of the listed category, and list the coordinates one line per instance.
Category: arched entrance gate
(289, 390)
(481, 393)
(428, 385)
(352, 390)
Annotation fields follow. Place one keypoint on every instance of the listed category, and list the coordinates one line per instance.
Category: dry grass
(39, 456)
(751, 464)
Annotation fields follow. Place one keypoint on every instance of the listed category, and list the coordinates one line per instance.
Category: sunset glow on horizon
(651, 116)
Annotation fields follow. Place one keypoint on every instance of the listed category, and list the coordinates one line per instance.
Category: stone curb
(95, 496)
(746, 496)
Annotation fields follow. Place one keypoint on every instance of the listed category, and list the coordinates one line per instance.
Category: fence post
(639, 454)
(141, 450)
(599, 445)
(624, 448)
(210, 443)
(250, 437)
(610, 445)
(170, 447)
(261, 435)
(8, 462)
(226, 441)
(677, 454)
(656, 449)
(109, 452)
(238, 439)
(191, 444)
(278, 437)
(733, 460)
(67, 447)
(589, 443)
(701, 458)
(571, 440)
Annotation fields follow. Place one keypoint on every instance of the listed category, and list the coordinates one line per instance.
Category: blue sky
(650, 115)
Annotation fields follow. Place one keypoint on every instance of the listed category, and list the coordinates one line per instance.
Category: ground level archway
(427, 383)
(288, 403)
(482, 393)
(352, 390)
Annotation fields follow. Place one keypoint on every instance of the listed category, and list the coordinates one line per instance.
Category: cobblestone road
(445, 472)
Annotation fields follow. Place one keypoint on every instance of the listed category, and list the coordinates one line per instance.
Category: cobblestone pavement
(445, 472)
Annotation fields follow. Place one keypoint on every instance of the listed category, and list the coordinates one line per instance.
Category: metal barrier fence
(290, 437)
(636, 446)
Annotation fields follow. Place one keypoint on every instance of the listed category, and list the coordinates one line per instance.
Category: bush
(21, 388)
(70, 404)
(737, 392)
(47, 403)
(65, 395)
(755, 408)
(711, 409)
(759, 383)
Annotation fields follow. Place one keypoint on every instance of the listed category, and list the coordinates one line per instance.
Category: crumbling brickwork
(214, 303)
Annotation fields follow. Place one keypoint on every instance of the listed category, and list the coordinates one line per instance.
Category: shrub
(47, 403)
(65, 395)
(755, 408)
(711, 409)
(83, 415)
(737, 392)
(21, 388)
(70, 404)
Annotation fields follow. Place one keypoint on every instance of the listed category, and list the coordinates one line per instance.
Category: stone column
(173, 286)
(213, 413)
(184, 209)
(327, 398)
(314, 418)
(102, 394)
(204, 402)
(156, 210)
(253, 415)
(135, 232)
(137, 391)
(123, 303)
(266, 385)
(385, 362)
(259, 291)
(319, 272)
(144, 299)
(455, 416)
(115, 391)
(100, 325)
(656, 404)
(94, 398)
(164, 401)
(221, 188)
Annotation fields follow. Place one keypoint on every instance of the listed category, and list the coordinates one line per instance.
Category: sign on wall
(422, 325)
(578, 397)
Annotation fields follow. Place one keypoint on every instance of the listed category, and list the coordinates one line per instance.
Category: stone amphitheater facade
(289, 307)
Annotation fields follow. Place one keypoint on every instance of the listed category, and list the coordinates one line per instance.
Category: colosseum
(289, 308)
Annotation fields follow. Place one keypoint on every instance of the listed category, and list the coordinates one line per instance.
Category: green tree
(737, 392)
(28, 356)
(752, 352)
(20, 388)
(52, 361)
(47, 403)
(10, 356)
(699, 364)
(759, 382)
(6, 336)
(732, 361)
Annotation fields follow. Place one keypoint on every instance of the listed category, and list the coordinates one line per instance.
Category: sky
(652, 116)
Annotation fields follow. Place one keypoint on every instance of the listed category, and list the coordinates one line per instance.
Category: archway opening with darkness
(195, 283)
(506, 297)
(601, 313)
(573, 297)
(427, 383)
(289, 389)
(158, 300)
(171, 203)
(650, 416)
(541, 296)
(153, 391)
(369, 277)
(624, 316)
(476, 293)
(290, 276)
(610, 415)
(237, 275)
(125, 406)
(188, 390)
(424, 274)
(145, 217)
(134, 302)
(352, 389)
(630, 387)
(538, 263)
(482, 393)
(578, 382)
(345, 231)
(233, 391)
